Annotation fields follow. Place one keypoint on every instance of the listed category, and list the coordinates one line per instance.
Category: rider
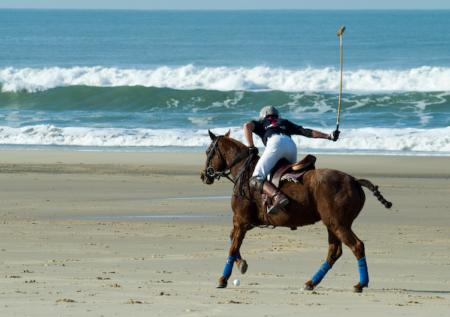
(275, 133)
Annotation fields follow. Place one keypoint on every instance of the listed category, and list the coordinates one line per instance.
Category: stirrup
(276, 208)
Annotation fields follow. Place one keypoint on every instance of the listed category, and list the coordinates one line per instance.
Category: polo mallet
(340, 34)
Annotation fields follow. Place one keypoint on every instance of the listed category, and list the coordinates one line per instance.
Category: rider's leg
(279, 200)
(278, 147)
(267, 161)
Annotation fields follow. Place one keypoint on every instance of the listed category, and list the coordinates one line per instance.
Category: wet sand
(138, 234)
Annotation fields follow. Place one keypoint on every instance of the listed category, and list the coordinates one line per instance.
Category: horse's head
(216, 164)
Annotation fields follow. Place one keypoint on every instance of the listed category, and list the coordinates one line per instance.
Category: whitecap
(379, 140)
(258, 78)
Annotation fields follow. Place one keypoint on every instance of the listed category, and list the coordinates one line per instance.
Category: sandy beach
(138, 234)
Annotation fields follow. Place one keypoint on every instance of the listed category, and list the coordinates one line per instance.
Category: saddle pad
(292, 177)
(306, 164)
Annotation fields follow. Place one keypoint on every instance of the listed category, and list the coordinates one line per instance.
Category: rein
(241, 180)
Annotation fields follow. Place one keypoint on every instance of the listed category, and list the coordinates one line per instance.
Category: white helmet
(268, 111)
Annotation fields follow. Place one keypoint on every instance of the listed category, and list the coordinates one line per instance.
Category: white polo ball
(237, 282)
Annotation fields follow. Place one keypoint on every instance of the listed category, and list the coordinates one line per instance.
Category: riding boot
(279, 200)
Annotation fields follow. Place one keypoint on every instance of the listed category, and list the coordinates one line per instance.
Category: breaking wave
(190, 77)
(379, 140)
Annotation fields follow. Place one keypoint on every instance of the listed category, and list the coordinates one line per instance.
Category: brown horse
(329, 195)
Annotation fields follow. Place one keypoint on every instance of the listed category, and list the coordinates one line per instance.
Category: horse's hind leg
(334, 253)
(347, 236)
(237, 236)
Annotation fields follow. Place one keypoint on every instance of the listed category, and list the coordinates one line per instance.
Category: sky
(228, 4)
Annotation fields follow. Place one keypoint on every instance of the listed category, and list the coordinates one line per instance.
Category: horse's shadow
(416, 291)
(395, 290)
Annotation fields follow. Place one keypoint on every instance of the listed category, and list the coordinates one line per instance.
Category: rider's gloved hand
(253, 150)
(334, 136)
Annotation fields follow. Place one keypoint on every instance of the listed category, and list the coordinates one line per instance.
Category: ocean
(158, 80)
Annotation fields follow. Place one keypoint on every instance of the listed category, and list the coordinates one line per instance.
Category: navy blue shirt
(269, 126)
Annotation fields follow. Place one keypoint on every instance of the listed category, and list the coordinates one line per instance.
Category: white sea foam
(229, 78)
(380, 140)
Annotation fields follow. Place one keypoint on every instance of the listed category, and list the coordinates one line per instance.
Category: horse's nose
(204, 178)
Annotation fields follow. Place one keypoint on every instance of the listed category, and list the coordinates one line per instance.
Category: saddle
(286, 171)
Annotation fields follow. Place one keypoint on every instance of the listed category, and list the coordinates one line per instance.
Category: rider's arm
(248, 133)
(309, 133)
(334, 136)
(319, 135)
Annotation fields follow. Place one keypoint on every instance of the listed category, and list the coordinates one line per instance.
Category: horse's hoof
(358, 288)
(242, 266)
(222, 283)
(309, 286)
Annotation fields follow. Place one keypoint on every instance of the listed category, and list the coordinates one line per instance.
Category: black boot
(279, 200)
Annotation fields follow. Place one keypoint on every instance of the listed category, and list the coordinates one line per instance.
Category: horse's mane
(239, 144)
(241, 186)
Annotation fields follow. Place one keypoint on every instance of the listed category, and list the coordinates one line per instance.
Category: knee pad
(256, 184)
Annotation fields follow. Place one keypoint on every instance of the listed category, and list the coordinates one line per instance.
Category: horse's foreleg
(240, 262)
(350, 239)
(237, 235)
(334, 253)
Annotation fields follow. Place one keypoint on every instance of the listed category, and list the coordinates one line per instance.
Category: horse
(326, 195)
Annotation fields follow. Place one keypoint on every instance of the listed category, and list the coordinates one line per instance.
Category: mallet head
(341, 31)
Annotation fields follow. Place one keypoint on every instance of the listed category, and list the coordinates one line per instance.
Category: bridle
(211, 172)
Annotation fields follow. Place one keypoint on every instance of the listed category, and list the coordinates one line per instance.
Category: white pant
(278, 146)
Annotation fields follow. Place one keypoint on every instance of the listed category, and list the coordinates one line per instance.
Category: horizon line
(228, 9)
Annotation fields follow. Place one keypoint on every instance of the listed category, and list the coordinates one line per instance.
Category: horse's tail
(374, 189)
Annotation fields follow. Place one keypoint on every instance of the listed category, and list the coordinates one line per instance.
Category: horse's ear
(212, 135)
(228, 133)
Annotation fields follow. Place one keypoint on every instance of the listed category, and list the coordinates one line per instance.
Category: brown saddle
(286, 171)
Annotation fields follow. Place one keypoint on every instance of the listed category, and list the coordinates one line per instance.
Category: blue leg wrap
(228, 266)
(324, 268)
(363, 273)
